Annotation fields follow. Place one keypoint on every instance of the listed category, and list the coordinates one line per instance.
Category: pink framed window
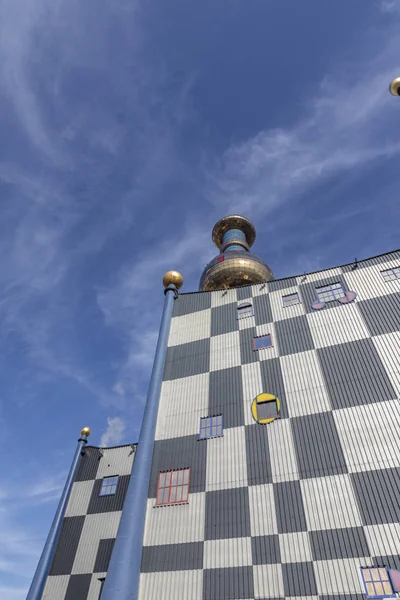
(173, 487)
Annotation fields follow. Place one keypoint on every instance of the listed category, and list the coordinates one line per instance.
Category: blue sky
(128, 129)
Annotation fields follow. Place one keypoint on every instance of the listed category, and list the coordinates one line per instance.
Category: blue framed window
(211, 427)
(290, 300)
(327, 293)
(377, 582)
(262, 341)
(109, 486)
(245, 310)
(391, 274)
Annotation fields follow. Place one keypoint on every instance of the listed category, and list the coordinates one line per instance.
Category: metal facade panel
(89, 464)
(247, 352)
(187, 359)
(232, 552)
(382, 315)
(224, 319)
(339, 543)
(262, 309)
(95, 586)
(79, 499)
(173, 585)
(228, 584)
(67, 545)
(78, 587)
(116, 461)
(108, 504)
(173, 557)
(96, 528)
(190, 328)
(258, 458)
(226, 460)
(388, 348)
(369, 283)
(337, 326)
(299, 579)
(226, 396)
(294, 335)
(225, 351)
(186, 304)
(232, 503)
(103, 556)
(281, 284)
(377, 494)
(56, 587)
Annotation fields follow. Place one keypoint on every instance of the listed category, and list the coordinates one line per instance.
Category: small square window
(377, 582)
(211, 427)
(109, 486)
(263, 341)
(173, 487)
(391, 274)
(267, 410)
(290, 300)
(328, 293)
(245, 310)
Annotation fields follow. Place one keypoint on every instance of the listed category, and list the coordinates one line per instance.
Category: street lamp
(394, 87)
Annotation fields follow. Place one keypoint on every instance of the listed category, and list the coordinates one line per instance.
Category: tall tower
(235, 265)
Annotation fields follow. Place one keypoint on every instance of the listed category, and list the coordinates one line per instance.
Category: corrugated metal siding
(281, 284)
(89, 464)
(262, 309)
(294, 335)
(223, 297)
(271, 376)
(224, 319)
(96, 527)
(67, 545)
(116, 461)
(226, 460)
(187, 359)
(173, 557)
(95, 586)
(282, 451)
(243, 293)
(108, 504)
(337, 326)
(225, 351)
(190, 328)
(186, 304)
(79, 499)
(388, 348)
(222, 554)
(175, 585)
(309, 294)
(228, 583)
(280, 312)
(247, 352)
(369, 283)
(382, 315)
(103, 556)
(56, 587)
(226, 396)
(78, 587)
(375, 261)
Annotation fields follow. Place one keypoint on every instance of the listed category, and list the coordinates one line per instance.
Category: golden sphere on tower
(85, 431)
(394, 87)
(173, 277)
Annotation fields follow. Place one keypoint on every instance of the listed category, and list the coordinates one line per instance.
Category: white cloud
(115, 432)
(390, 6)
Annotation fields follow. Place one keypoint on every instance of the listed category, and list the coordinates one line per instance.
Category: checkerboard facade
(291, 509)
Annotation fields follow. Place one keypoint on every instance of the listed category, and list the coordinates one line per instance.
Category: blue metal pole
(42, 570)
(122, 581)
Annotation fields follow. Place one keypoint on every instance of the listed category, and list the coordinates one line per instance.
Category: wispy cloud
(115, 432)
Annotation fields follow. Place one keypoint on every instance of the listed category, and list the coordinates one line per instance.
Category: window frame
(169, 486)
(292, 303)
(112, 486)
(257, 337)
(270, 416)
(393, 271)
(219, 426)
(327, 293)
(380, 581)
(243, 315)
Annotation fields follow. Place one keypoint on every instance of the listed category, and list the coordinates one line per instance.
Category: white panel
(388, 348)
(262, 510)
(330, 503)
(304, 384)
(295, 547)
(268, 581)
(95, 585)
(56, 587)
(190, 328)
(273, 351)
(226, 460)
(340, 576)
(175, 524)
(369, 283)
(96, 527)
(79, 499)
(234, 552)
(223, 297)
(310, 277)
(224, 351)
(337, 325)
(252, 386)
(171, 585)
(182, 403)
(383, 540)
(280, 312)
(259, 289)
(115, 461)
(370, 435)
(282, 452)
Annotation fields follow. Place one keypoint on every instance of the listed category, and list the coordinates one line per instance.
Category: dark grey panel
(393, 562)
(317, 445)
(103, 555)
(342, 597)
(378, 494)
(190, 303)
(78, 587)
(265, 550)
(244, 292)
(294, 335)
(228, 584)
(282, 284)
(187, 359)
(247, 352)
(67, 545)
(226, 396)
(339, 543)
(382, 315)
(354, 374)
(289, 507)
(257, 454)
(272, 380)
(262, 309)
(102, 504)
(89, 464)
(299, 579)
(227, 514)
(309, 294)
(172, 557)
(180, 453)
(370, 262)
(224, 319)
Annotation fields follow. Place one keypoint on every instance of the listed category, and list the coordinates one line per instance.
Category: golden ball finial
(173, 277)
(85, 431)
(394, 87)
